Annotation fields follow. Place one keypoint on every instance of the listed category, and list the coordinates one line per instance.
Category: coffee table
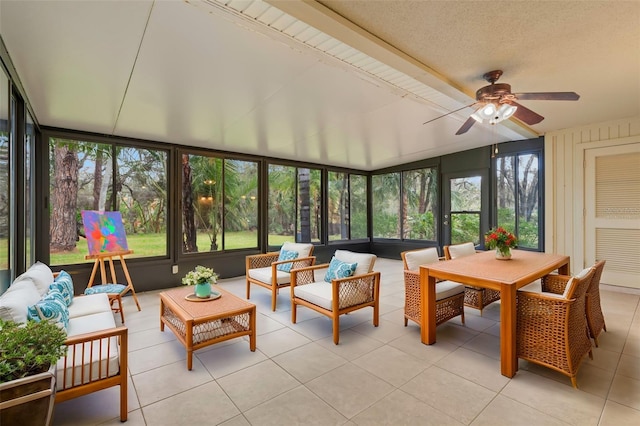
(203, 323)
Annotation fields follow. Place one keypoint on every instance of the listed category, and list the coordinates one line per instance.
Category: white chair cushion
(264, 275)
(572, 282)
(41, 276)
(303, 249)
(88, 305)
(89, 359)
(14, 301)
(446, 289)
(461, 250)
(319, 293)
(415, 258)
(365, 261)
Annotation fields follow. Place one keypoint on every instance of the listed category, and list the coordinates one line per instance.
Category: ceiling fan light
(488, 110)
(505, 111)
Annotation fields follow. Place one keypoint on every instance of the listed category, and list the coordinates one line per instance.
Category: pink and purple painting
(104, 231)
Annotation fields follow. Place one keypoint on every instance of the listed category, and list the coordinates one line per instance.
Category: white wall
(565, 183)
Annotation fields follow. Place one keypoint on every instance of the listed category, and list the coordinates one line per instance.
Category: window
(419, 192)
(218, 195)
(466, 209)
(88, 175)
(29, 191)
(386, 202)
(518, 193)
(5, 183)
(347, 206)
(294, 204)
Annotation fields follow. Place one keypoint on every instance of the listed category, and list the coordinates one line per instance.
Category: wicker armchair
(593, 309)
(449, 294)
(342, 295)
(551, 327)
(266, 270)
(474, 297)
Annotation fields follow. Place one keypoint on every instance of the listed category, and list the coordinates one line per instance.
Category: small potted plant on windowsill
(28, 357)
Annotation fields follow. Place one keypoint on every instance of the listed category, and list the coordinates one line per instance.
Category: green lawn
(145, 245)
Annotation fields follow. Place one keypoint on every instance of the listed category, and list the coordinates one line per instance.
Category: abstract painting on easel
(104, 231)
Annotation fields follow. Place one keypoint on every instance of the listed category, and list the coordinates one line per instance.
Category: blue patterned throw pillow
(51, 307)
(64, 284)
(286, 255)
(339, 269)
(105, 288)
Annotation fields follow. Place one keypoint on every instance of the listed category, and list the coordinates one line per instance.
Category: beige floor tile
(476, 322)
(625, 391)
(152, 385)
(506, 411)
(352, 345)
(279, 341)
(615, 414)
(295, 407)
(449, 392)
(146, 338)
(603, 358)
(314, 328)
(395, 315)
(257, 384)
(486, 344)
(476, 367)
(411, 344)
(349, 389)
(391, 365)
(454, 333)
(399, 408)
(147, 358)
(309, 361)
(384, 332)
(203, 405)
(554, 398)
(265, 324)
(629, 366)
(239, 420)
(227, 359)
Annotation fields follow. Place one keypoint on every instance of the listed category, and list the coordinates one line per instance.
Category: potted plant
(501, 240)
(202, 277)
(28, 357)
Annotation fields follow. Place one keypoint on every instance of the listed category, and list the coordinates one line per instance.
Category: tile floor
(376, 376)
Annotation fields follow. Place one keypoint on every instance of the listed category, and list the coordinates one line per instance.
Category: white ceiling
(345, 83)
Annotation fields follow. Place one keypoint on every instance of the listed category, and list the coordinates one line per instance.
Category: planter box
(28, 401)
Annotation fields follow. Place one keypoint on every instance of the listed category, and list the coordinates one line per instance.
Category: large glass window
(466, 209)
(347, 206)
(295, 207)
(386, 205)
(5, 182)
(518, 186)
(88, 175)
(29, 192)
(419, 192)
(218, 194)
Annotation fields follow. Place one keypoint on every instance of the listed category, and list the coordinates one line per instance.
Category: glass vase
(503, 253)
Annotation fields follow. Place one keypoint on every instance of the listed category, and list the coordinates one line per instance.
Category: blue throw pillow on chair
(339, 269)
(286, 255)
(105, 288)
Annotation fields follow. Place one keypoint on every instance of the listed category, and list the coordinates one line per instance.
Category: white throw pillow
(41, 276)
(365, 261)
(14, 302)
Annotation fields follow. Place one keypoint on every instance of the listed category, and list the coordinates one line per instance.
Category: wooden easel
(100, 259)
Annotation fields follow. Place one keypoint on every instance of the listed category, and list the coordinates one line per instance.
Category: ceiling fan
(497, 103)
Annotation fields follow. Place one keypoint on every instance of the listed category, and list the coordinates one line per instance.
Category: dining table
(483, 269)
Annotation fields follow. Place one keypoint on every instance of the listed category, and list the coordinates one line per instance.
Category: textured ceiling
(346, 83)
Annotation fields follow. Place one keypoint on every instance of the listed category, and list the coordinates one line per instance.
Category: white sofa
(96, 349)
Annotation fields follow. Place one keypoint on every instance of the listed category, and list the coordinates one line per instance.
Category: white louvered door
(612, 212)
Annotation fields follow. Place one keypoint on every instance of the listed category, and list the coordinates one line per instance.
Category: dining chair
(551, 327)
(272, 270)
(449, 294)
(349, 283)
(474, 297)
(593, 309)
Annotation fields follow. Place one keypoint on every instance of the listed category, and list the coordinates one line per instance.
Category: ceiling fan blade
(449, 113)
(547, 96)
(466, 126)
(525, 115)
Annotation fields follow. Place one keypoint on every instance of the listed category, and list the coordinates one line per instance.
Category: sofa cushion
(339, 269)
(88, 305)
(264, 275)
(415, 258)
(365, 261)
(41, 276)
(14, 301)
(88, 366)
(64, 284)
(286, 255)
(51, 307)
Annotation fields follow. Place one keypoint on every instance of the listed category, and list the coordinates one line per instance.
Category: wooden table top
(228, 303)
